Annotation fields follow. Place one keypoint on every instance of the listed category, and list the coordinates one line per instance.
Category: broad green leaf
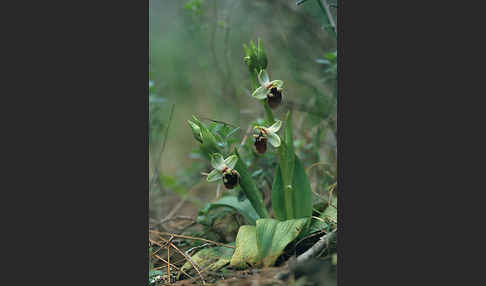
(246, 251)
(263, 244)
(211, 258)
(273, 236)
(301, 199)
(249, 188)
(243, 207)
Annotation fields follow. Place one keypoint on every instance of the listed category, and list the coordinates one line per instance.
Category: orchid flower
(270, 90)
(267, 134)
(224, 169)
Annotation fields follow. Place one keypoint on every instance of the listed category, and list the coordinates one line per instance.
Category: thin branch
(190, 261)
(329, 15)
(167, 219)
(316, 248)
(177, 268)
(188, 258)
(192, 237)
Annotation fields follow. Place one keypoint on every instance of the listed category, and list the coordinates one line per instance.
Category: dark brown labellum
(274, 98)
(231, 179)
(261, 144)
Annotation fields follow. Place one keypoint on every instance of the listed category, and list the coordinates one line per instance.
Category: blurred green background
(196, 67)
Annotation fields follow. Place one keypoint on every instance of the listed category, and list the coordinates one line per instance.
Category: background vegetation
(196, 67)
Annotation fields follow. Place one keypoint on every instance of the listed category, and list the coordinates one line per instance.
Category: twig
(192, 237)
(316, 164)
(174, 266)
(188, 259)
(168, 260)
(316, 248)
(217, 121)
(329, 15)
(196, 247)
(167, 219)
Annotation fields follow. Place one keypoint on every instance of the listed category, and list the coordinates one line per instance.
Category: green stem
(249, 188)
(268, 113)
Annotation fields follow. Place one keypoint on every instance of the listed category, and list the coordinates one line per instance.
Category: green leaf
(249, 187)
(211, 258)
(316, 225)
(331, 56)
(243, 207)
(246, 251)
(209, 144)
(263, 244)
(287, 159)
(273, 236)
(331, 211)
(301, 199)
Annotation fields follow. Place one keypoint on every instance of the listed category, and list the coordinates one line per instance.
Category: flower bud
(196, 130)
(255, 57)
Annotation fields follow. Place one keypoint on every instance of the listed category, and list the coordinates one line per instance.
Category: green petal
(263, 78)
(260, 93)
(231, 161)
(273, 139)
(275, 127)
(217, 161)
(214, 176)
(277, 83)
